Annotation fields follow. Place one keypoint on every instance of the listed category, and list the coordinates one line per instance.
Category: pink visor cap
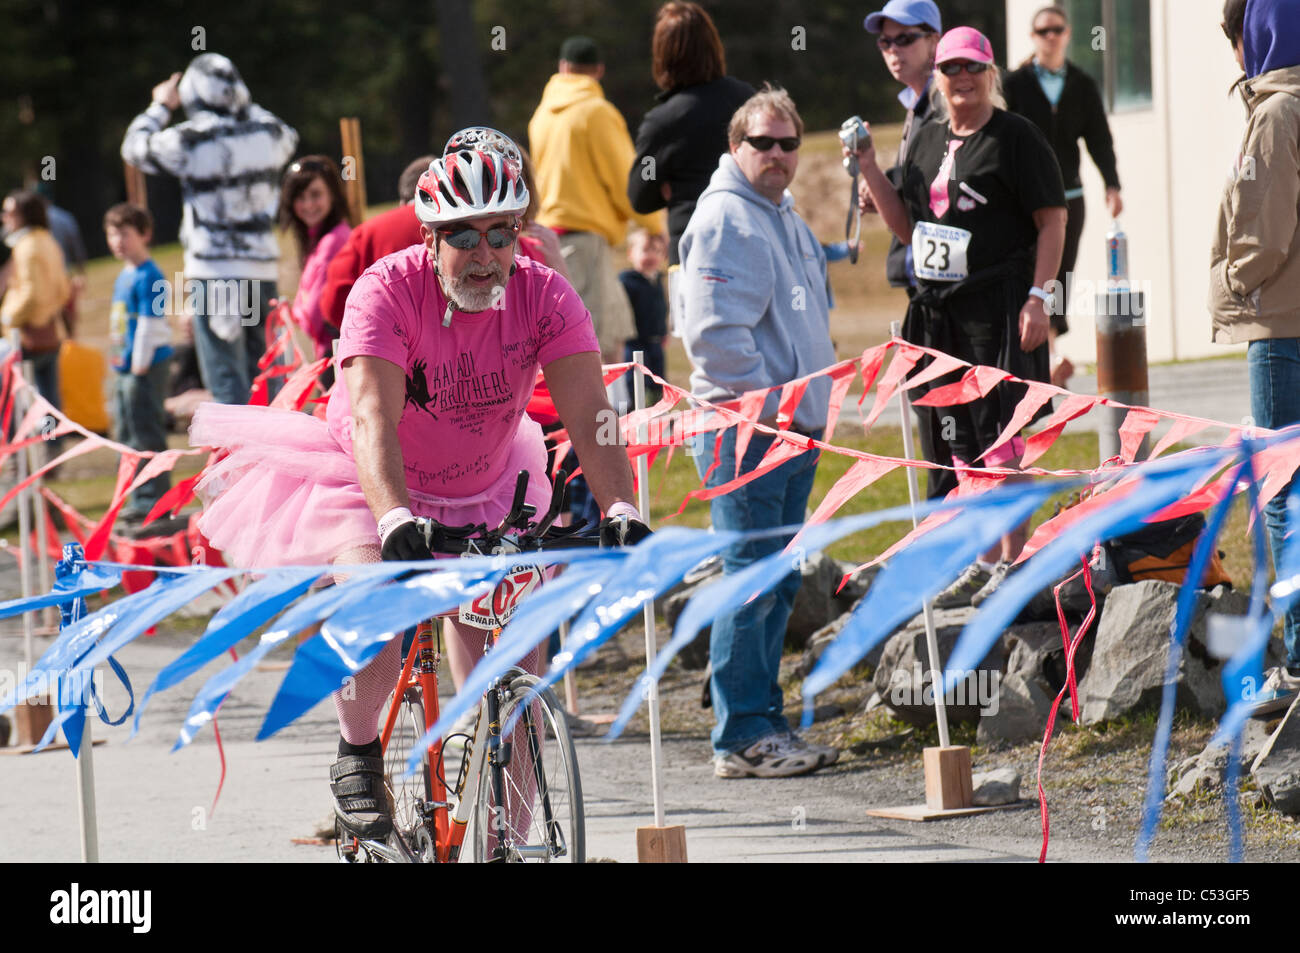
(964, 43)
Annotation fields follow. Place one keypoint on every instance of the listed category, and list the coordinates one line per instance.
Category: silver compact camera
(854, 135)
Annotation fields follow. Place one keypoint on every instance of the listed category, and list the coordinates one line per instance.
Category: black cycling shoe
(361, 800)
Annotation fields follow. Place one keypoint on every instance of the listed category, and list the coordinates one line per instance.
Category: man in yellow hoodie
(583, 153)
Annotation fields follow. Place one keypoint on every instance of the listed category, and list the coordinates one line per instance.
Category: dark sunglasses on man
(1049, 31)
(763, 143)
(952, 69)
(466, 238)
(901, 40)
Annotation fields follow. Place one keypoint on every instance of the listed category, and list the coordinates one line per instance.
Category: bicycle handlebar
(516, 533)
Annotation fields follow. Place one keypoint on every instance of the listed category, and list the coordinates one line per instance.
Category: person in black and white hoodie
(227, 154)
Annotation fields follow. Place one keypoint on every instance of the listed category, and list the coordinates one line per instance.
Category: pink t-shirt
(467, 385)
(306, 303)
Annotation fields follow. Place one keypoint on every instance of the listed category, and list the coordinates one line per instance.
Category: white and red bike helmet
(479, 174)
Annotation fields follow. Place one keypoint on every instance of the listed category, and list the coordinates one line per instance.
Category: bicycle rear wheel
(410, 795)
(541, 818)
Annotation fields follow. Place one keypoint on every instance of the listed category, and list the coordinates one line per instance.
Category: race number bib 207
(939, 252)
(493, 610)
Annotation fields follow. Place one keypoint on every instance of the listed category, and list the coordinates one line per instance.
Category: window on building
(1111, 42)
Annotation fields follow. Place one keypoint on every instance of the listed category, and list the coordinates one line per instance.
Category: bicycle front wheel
(541, 817)
(410, 795)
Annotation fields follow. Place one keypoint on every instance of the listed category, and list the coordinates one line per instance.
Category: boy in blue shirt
(645, 290)
(141, 345)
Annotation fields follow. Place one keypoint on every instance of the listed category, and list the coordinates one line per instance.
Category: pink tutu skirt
(288, 493)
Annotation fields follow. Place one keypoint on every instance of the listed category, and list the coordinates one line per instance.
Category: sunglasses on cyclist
(763, 143)
(900, 41)
(1049, 31)
(467, 239)
(952, 69)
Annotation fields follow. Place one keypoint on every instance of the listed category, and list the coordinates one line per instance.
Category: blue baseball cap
(908, 13)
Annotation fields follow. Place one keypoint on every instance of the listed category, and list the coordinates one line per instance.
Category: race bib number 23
(939, 252)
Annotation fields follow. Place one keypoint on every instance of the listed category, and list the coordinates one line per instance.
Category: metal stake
(927, 609)
(651, 639)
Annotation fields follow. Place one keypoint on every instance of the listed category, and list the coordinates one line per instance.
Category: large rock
(858, 582)
(815, 605)
(694, 656)
(1019, 714)
(903, 676)
(1204, 772)
(1035, 673)
(824, 636)
(1277, 768)
(1131, 652)
(999, 786)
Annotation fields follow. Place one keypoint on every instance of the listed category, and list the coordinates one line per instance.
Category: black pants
(981, 327)
(1073, 229)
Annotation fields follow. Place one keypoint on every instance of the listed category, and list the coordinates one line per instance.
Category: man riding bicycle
(439, 349)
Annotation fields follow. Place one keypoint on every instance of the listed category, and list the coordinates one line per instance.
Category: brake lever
(517, 505)
(557, 503)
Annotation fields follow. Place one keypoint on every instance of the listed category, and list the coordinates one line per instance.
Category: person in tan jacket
(38, 288)
(1255, 262)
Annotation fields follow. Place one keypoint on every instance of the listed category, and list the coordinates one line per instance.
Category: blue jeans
(1274, 365)
(141, 425)
(745, 645)
(45, 370)
(228, 367)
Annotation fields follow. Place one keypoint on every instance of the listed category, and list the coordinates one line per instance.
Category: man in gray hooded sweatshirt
(228, 154)
(753, 296)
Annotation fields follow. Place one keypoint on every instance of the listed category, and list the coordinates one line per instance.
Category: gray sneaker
(827, 754)
(998, 576)
(971, 581)
(1277, 692)
(774, 756)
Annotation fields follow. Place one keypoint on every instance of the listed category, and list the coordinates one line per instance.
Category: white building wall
(1173, 161)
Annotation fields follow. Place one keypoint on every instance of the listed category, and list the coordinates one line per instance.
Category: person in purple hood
(1255, 270)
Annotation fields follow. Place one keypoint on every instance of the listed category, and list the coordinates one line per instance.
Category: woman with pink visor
(982, 205)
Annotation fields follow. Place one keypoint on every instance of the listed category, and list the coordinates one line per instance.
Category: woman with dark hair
(37, 289)
(313, 208)
(680, 140)
(1063, 101)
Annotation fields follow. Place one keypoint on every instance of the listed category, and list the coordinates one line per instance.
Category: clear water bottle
(1116, 253)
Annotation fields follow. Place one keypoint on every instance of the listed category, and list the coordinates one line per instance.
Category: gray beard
(468, 297)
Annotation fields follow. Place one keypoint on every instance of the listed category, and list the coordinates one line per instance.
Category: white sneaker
(774, 756)
(828, 754)
(1277, 692)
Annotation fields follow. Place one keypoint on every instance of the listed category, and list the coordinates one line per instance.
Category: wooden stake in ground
(31, 718)
(947, 767)
(353, 168)
(137, 192)
(659, 844)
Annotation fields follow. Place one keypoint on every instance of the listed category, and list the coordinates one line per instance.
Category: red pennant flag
(1137, 424)
(791, 394)
(1036, 395)
(975, 383)
(1181, 430)
(171, 501)
(862, 474)
(1076, 405)
(899, 368)
(751, 408)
